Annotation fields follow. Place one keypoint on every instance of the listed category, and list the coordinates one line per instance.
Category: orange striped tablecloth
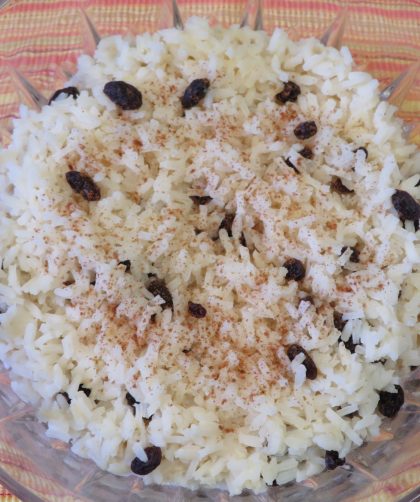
(5, 496)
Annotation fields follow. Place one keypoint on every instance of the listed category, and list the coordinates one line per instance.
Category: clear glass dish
(39, 45)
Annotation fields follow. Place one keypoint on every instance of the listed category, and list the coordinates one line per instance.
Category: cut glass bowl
(39, 45)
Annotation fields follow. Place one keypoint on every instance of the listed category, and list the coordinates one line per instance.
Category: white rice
(229, 408)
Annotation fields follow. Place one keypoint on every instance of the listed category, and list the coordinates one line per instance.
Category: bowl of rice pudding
(210, 268)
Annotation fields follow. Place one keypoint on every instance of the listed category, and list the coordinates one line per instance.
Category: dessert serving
(210, 258)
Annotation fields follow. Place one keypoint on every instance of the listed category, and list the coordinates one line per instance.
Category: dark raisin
(418, 183)
(390, 402)
(70, 91)
(127, 265)
(242, 240)
(306, 130)
(413, 368)
(338, 186)
(227, 224)
(151, 274)
(201, 200)
(75, 180)
(84, 389)
(405, 205)
(83, 184)
(274, 483)
(363, 149)
(349, 344)
(124, 95)
(339, 323)
(66, 397)
(196, 310)
(158, 288)
(307, 153)
(355, 253)
(90, 190)
(154, 458)
(131, 402)
(290, 92)
(295, 269)
(289, 163)
(195, 92)
(311, 369)
(332, 460)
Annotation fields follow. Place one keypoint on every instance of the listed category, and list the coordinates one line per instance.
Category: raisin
(290, 92)
(295, 269)
(66, 397)
(158, 288)
(355, 253)
(418, 183)
(242, 240)
(332, 460)
(227, 224)
(154, 458)
(70, 91)
(390, 402)
(84, 389)
(127, 265)
(196, 310)
(83, 184)
(339, 323)
(405, 205)
(195, 92)
(311, 369)
(289, 163)
(90, 190)
(131, 402)
(363, 149)
(75, 180)
(201, 200)
(306, 130)
(338, 186)
(124, 95)
(307, 153)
